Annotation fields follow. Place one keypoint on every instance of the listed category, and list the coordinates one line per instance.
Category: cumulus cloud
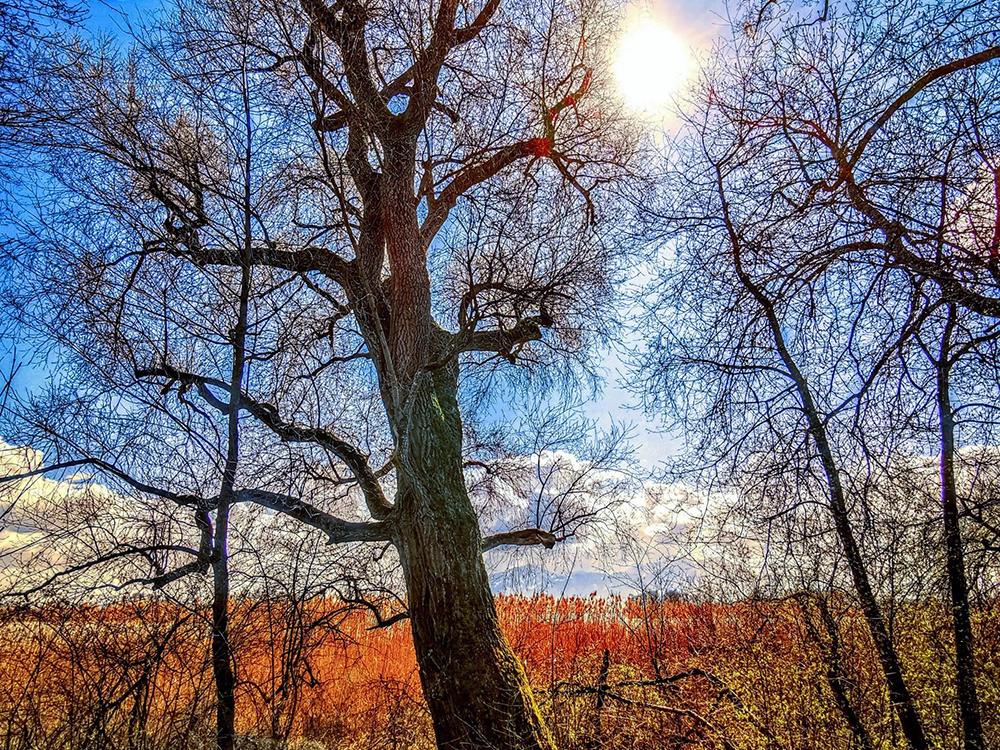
(619, 531)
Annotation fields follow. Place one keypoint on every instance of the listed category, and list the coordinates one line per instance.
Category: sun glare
(651, 64)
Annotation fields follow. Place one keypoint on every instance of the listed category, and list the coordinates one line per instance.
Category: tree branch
(521, 538)
(380, 508)
(380, 621)
(503, 342)
(471, 175)
(338, 530)
(180, 499)
(952, 288)
(203, 556)
(304, 260)
(144, 551)
(990, 53)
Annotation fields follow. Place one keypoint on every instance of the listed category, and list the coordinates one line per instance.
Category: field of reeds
(608, 673)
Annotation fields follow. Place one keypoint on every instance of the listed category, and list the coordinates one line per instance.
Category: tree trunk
(222, 650)
(475, 687)
(968, 699)
(222, 654)
(835, 675)
(899, 693)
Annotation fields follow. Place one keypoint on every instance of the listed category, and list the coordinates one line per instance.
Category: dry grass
(746, 675)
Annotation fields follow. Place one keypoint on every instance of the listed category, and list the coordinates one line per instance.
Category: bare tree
(822, 213)
(32, 33)
(431, 179)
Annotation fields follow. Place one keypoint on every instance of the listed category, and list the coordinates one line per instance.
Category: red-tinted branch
(471, 175)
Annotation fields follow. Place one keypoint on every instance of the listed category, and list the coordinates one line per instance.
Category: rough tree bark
(475, 687)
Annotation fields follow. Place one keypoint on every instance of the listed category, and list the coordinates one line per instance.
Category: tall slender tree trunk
(476, 689)
(965, 658)
(222, 652)
(222, 655)
(899, 694)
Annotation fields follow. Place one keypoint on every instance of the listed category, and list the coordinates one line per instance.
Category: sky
(691, 26)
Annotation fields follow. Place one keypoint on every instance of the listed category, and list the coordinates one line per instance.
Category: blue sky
(697, 22)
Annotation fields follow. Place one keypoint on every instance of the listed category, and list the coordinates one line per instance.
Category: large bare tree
(422, 198)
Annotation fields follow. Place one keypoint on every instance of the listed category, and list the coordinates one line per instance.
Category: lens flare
(651, 63)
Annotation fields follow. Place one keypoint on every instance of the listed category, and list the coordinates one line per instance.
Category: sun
(651, 63)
